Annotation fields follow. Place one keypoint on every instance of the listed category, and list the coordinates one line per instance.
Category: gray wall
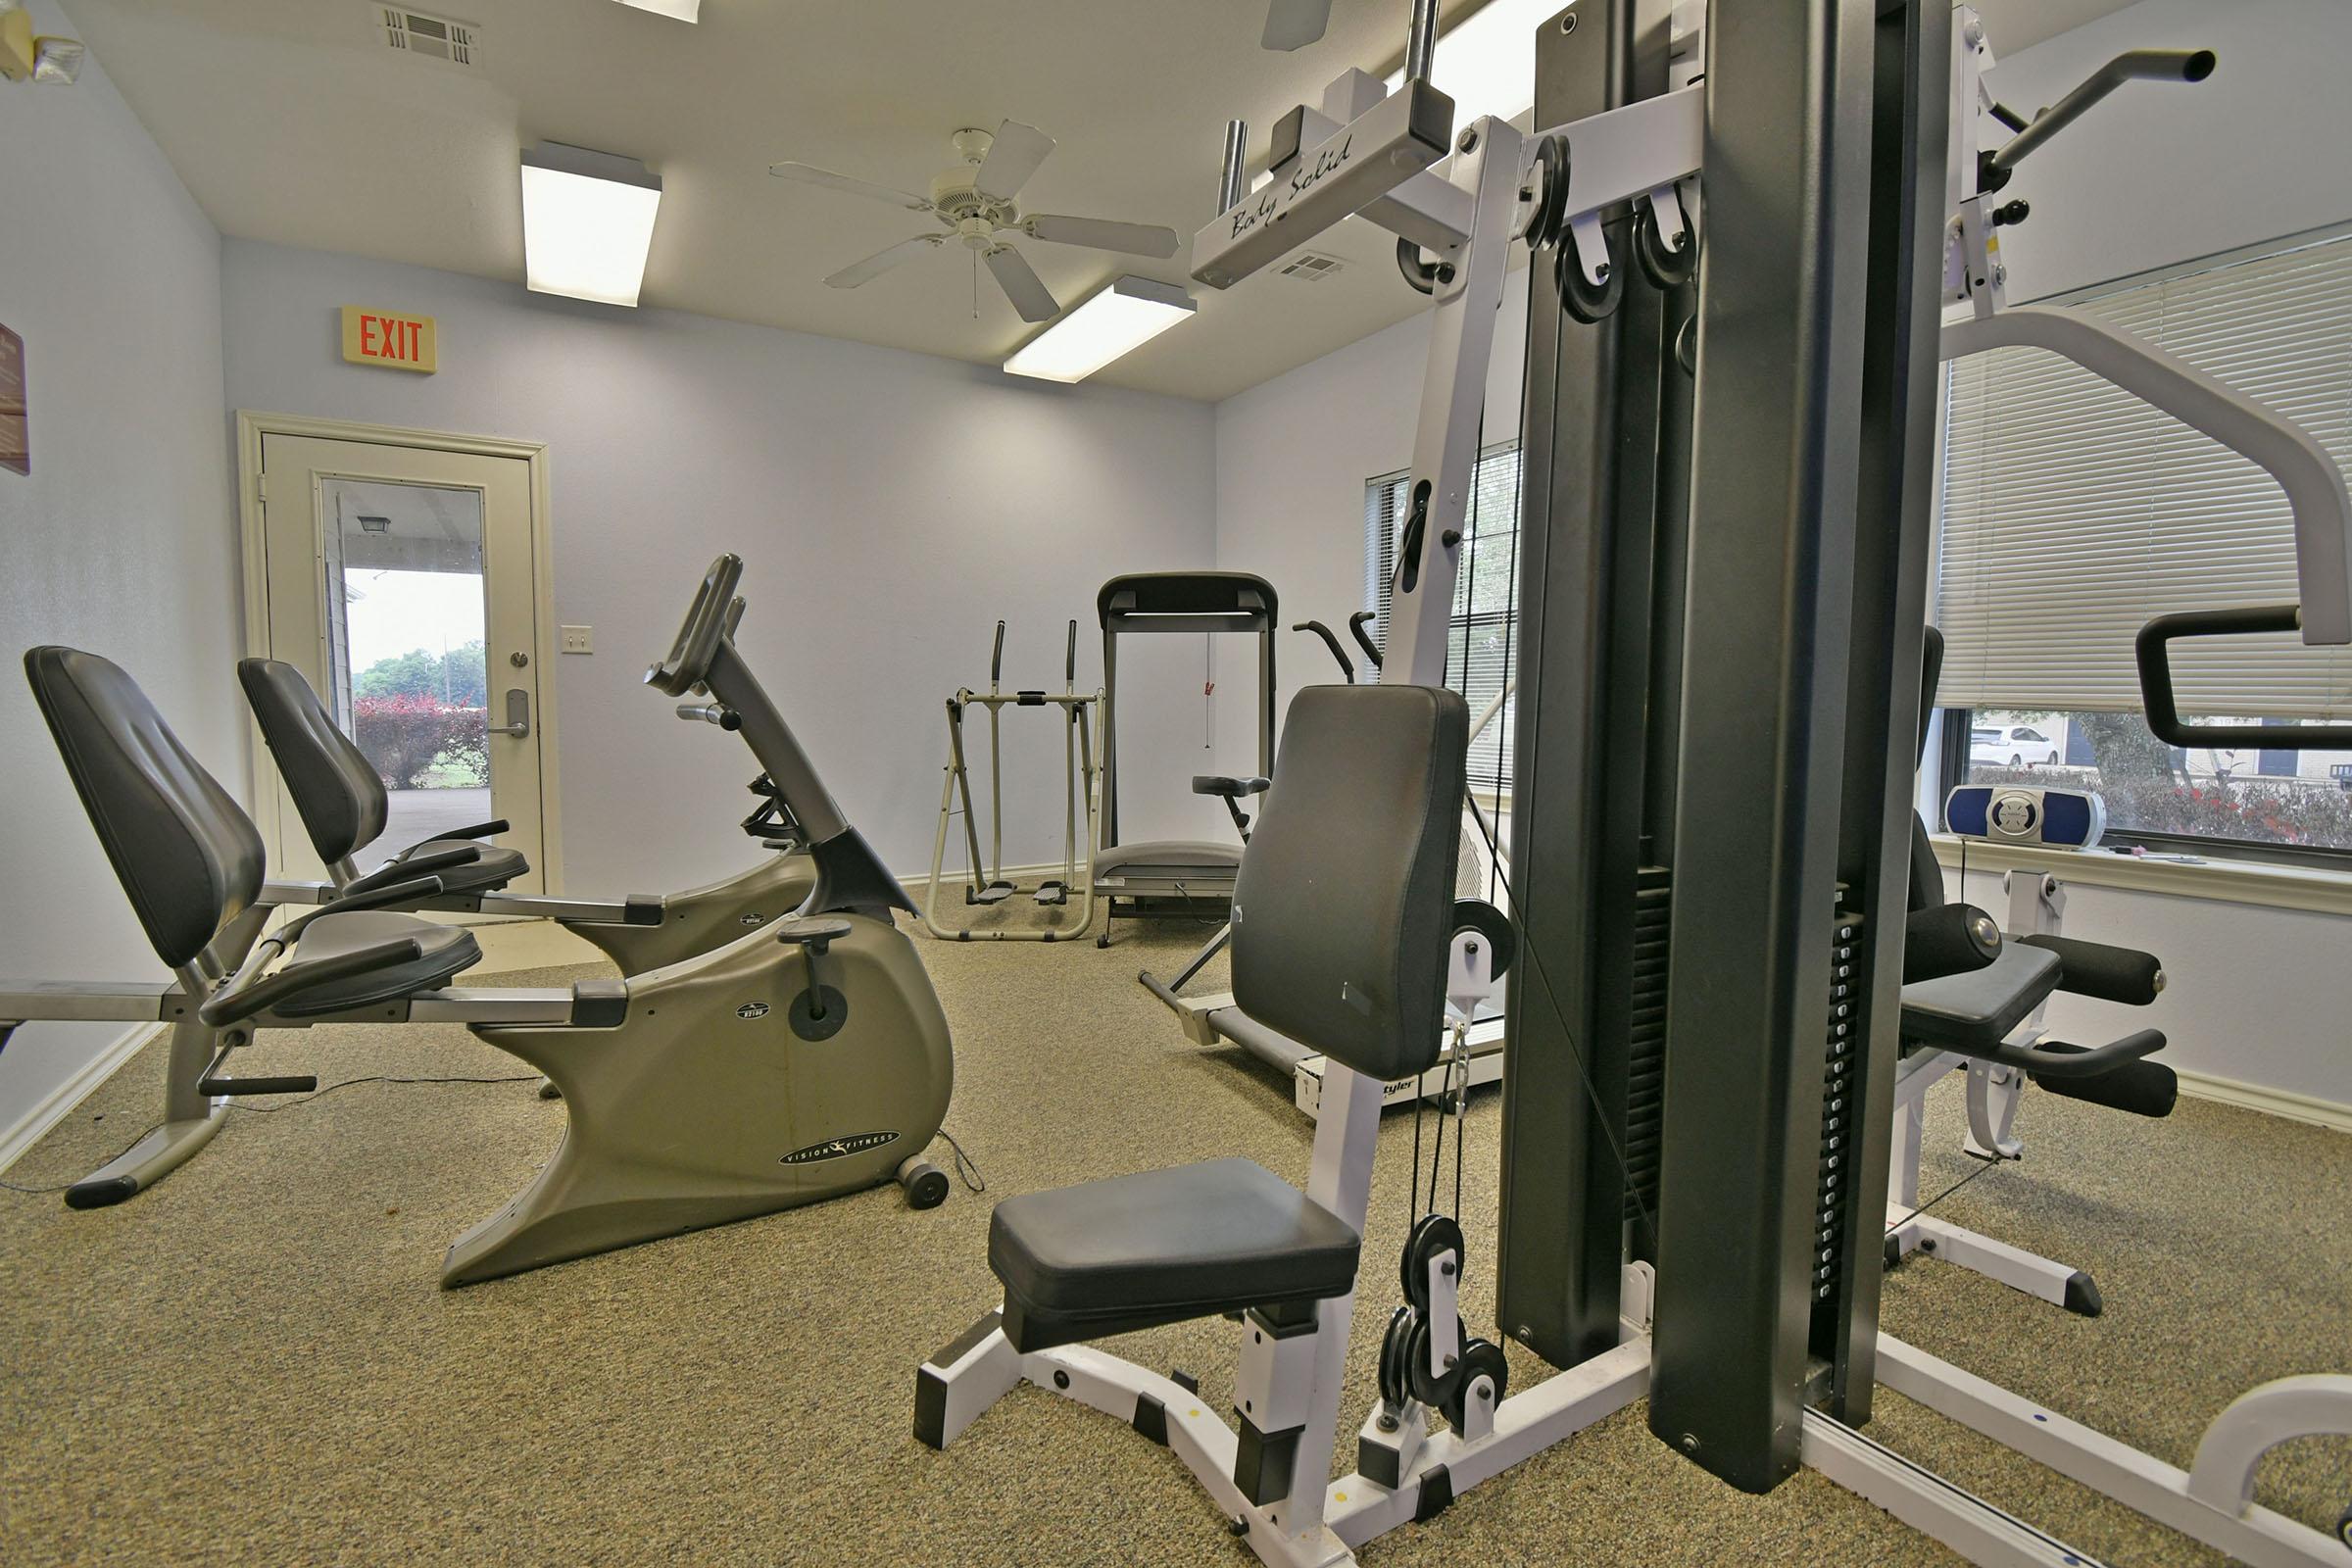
(121, 541)
(889, 508)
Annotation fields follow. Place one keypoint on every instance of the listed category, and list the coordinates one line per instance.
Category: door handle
(518, 714)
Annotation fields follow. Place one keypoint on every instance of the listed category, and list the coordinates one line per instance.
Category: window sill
(2277, 887)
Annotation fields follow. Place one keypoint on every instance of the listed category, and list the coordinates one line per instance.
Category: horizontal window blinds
(2072, 513)
(1482, 631)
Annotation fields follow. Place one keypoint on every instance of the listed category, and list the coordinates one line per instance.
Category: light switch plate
(579, 639)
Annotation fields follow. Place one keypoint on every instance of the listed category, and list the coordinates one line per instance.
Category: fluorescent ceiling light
(1130, 313)
(1487, 60)
(683, 10)
(587, 222)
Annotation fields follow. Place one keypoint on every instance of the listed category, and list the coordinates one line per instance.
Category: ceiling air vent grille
(415, 33)
(1308, 267)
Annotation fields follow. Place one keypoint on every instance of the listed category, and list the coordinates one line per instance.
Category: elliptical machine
(805, 1060)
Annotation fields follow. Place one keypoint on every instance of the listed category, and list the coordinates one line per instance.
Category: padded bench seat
(1973, 1013)
(1163, 1247)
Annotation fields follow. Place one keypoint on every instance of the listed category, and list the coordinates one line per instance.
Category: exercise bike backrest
(188, 856)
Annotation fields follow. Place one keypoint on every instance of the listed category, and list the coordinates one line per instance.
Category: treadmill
(1131, 878)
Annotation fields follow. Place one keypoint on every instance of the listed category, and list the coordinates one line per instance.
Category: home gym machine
(985, 882)
(1211, 1018)
(1811, 470)
(342, 803)
(800, 1062)
(1730, 463)
(1133, 877)
(1099, 1258)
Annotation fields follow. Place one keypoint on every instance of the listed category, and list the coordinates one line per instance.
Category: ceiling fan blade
(1294, 24)
(1020, 284)
(1011, 159)
(881, 262)
(810, 174)
(1130, 239)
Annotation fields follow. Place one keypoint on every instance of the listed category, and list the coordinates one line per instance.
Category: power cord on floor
(271, 1111)
(967, 1170)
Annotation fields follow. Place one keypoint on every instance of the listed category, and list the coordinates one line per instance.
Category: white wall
(2164, 172)
(119, 541)
(889, 507)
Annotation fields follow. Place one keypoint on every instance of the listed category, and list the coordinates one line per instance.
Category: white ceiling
(291, 121)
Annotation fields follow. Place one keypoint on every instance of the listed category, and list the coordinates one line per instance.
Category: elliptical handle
(995, 659)
(1355, 630)
(1346, 666)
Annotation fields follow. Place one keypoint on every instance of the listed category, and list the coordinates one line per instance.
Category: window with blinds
(1481, 634)
(2072, 513)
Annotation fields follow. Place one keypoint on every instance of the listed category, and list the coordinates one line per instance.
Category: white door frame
(251, 429)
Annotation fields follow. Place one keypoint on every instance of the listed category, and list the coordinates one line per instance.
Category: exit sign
(388, 338)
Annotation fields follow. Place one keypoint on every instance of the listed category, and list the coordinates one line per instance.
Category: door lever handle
(518, 714)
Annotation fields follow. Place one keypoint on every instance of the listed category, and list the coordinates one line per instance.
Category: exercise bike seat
(1973, 1011)
(336, 790)
(448, 950)
(1163, 1247)
(1233, 789)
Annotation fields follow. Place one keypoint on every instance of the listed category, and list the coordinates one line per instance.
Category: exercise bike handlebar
(2141, 65)
(1346, 666)
(709, 622)
(230, 1006)
(719, 714)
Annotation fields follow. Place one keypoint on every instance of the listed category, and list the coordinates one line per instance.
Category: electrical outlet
(579, 639)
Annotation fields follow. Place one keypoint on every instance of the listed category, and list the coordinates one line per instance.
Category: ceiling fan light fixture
(1118, 319)
(683, 10)
(587, 222)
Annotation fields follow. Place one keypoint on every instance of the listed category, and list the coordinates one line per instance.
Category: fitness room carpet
(253, 1363)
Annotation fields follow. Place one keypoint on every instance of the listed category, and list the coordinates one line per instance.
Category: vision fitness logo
(838, 1148)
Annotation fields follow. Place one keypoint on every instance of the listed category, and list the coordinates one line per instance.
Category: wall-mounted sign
(16, 425)
(387, 338)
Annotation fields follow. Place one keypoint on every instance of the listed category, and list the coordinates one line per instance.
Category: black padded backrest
(1343, 910)
(187, 856)
(335, 789)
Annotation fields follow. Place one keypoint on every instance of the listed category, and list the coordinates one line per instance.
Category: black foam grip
(2139, 1088)
(2109, 973)
(1948, 938)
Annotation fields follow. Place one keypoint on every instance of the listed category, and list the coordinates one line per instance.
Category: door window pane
(405, 635)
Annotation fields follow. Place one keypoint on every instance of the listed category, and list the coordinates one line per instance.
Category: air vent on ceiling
(1310, 266)
(415, 33)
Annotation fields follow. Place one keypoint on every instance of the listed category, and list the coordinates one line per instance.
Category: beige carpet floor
(252, 1363)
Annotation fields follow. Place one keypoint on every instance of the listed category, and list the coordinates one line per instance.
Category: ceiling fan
(974, 203)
